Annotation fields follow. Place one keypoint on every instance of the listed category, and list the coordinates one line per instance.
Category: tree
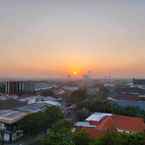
(81, 138)
(41, 121)
(59, 136)
(78, 96)
(121, 139)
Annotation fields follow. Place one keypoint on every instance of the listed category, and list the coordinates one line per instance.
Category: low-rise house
(33, 108)
(98, 124)
(8, 127)
(9, 120)
(47, 100)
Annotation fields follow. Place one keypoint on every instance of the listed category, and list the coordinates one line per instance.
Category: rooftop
(133, 124)
(100, 123)
(98, 116)
(51, 103)
(84, 124)
(11, 116)
(33, 108)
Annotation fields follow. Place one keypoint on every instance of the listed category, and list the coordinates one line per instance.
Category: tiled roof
(105, 124)
(111, 123)
(133, 124)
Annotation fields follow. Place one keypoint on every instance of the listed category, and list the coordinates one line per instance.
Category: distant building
(87, 81)
(48, 100)
(9, 120)
(33, 108)
(98, 124)
(129, 103)
(14, 87)
(139, 82)
(2, 87)
(18, 87)
(70, 88)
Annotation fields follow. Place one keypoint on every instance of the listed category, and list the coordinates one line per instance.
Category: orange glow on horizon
(75, 73)
(76, 70)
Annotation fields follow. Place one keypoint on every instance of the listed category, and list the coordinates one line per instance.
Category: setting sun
(75, 73)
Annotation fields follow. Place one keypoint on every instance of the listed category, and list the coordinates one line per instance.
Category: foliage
(41, 121)
(129, 111)
(121, 139)
(61, 137)
(96, 104)
(59, 134)
(78, 96)
(61, 124)
(64, 136)
(81, 138)
(103, 92)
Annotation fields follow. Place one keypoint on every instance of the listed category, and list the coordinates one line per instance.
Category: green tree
(81, 138)
(120, 139)
(41, 121)
(78, 96)
(59, 136)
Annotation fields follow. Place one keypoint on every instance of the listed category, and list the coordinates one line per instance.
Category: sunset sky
(46, 38)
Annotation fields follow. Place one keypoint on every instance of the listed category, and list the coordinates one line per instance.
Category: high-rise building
(18, 87)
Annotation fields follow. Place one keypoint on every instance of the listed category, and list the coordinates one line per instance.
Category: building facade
(9, 132)
(18, 87)
(98, 124)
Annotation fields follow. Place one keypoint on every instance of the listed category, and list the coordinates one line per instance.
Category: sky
(48, 38)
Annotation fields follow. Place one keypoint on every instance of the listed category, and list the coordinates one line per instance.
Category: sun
(75, 73)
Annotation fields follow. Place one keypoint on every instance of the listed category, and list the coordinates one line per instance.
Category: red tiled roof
(105, 124)
(111, 123)
(101, 128)
(133, 124)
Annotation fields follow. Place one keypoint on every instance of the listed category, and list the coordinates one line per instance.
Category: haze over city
(55, 38)
(72, 72)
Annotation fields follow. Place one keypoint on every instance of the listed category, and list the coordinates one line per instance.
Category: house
(50, 101)
(9, 120)
(33, 108)
(98, 124)
(8, 126)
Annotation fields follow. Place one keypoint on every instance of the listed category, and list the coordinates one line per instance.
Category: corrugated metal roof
(11, 116)
(53, 103)
(98, 116)
(32, 108)
(84, 124)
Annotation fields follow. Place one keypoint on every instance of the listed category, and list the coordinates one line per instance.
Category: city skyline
(57, 38)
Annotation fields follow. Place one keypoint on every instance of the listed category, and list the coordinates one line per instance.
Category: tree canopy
(41, 121)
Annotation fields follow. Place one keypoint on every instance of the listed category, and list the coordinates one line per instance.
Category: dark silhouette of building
(139, 81)
(18, 87)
